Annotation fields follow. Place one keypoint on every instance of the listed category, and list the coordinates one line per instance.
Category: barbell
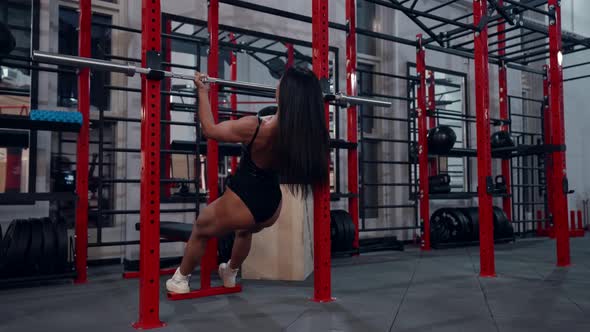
(130, 70)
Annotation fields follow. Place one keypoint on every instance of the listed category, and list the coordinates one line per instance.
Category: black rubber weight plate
(5, 244)
(336, 232)
(345, 221)
(61, 236)
(439, 232)
(472, 214)
(19, 245)
(344, 229)
(36, 247)
(48, 257)
(499, 220)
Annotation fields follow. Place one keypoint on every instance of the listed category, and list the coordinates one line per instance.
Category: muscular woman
(292, 147)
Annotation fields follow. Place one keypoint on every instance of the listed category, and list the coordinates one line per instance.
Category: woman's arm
(231, 131)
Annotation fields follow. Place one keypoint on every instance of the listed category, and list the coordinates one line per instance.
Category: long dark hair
(302, 147)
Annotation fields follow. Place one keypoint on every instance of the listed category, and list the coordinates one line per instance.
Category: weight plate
(49, 253)
(498, 222)
(349, 229)
(19, 245)
(472, 214)
(5, 244)
(36, 247)
(61, 236)
(338, 230)
(439, 233)
(504, 227)
(344, 230)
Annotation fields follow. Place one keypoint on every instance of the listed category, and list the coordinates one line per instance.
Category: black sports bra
(247, 165)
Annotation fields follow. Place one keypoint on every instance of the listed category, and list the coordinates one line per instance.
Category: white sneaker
(178, 283)
(228, 275)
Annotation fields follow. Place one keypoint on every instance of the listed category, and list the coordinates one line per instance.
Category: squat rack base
(205, 293)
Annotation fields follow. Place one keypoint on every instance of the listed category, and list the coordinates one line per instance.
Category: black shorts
(262, 196)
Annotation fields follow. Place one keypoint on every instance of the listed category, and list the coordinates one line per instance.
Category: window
(67, 85)
(365, 18)
(17, 157)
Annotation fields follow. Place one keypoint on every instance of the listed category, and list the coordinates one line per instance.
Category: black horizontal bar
(527, 7)
(387, 75)
(576, 65)
(576, 78)
(389, 140)
(381, 229)
(116, 27)
(387, 184)
(139, 180)
(114, 212)
(25, 198)
(364, 94)
(394, 206)
(384, 118)
(387, 162)
(524, 98)
(417, 13)
(280, 13)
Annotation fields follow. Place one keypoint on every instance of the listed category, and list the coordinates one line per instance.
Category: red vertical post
(503, 98)
(422, 143)
(352, 119)
(149, 234)
(321, 193)
(233, 99)
(547, 140)
(433, 165)
(210, 258)
(484, 156)
(290, 55)
(84, 50)
(558, 169)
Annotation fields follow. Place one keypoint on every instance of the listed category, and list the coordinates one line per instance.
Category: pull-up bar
(130, 70)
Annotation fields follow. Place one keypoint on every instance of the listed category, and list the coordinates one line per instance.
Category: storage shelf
(23, 122)
(31, 198)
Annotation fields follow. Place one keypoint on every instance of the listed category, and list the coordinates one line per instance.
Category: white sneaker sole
(174, 288)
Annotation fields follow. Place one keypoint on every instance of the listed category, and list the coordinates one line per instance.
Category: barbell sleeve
(83, 62)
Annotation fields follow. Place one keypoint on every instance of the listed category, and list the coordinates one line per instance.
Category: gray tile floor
(391, 291)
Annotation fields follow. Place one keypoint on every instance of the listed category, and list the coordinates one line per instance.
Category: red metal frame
(503, 98)
(484, 156)
(547, 140)
(149, 267)
(433, 164)
(233, 99)
(209, 260)
(211, 291)
(290, 55)
(422, 144)
(82, 149)
(321, 193)
(558, 167)
(352, 119)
